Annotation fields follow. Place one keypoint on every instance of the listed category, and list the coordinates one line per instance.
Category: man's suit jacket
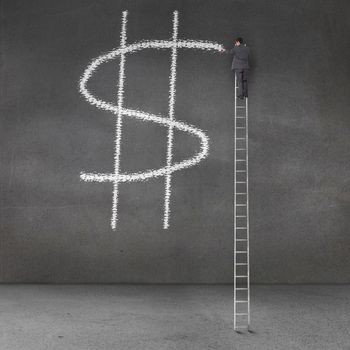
(240, 57)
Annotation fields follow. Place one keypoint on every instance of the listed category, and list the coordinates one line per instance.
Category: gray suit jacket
(240, 57)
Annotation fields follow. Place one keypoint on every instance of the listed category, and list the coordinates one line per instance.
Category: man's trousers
(242, 82)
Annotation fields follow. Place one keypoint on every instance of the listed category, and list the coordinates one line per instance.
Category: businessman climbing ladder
(240, 66)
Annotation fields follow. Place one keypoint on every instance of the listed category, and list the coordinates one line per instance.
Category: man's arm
(231, 51)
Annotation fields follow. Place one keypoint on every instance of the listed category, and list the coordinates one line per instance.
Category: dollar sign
(121, 111)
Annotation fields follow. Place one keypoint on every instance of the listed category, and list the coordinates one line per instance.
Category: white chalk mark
(170, 122)
(118, 131)
(172, 92)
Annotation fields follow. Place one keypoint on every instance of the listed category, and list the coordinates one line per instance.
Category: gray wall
(56, 228)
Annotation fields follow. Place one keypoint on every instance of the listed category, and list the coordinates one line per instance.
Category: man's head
(238, 41)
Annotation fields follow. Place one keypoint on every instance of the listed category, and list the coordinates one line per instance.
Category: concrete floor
(162, 317)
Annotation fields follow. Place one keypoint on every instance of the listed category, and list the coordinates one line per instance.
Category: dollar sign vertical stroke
(172, 92)
(118, 129)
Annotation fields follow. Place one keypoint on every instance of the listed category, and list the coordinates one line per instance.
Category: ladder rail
(247, 201)
(235, 217)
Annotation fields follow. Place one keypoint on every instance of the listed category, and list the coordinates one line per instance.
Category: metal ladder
(241, 277)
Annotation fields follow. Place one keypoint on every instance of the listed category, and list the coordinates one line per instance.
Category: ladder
(241, 277)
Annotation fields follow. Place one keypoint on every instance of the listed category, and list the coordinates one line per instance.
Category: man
(240, 66)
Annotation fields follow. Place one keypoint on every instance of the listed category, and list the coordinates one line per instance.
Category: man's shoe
(240, 97)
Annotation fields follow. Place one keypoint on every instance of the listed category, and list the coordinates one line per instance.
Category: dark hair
(239, 39)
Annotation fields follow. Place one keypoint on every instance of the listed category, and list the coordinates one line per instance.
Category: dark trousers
(242, 81)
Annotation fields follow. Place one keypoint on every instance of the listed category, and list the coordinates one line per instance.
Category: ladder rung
(241, 314)
(241, 288)
(242, 264)
(240, 160)
(241, 216)
(240, 106)
(240, 182)
(241, 205)
(241, 252)
(240, 138)
(241, 227)
(241, 301)
(241, 239)
(240, 117)
(241, 149)
(241, 193)
(240, 127)
(241, 171)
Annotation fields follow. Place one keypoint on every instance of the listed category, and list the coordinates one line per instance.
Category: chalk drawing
(170, 122)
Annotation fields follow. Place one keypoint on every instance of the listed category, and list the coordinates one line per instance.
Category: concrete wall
(56, 228)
